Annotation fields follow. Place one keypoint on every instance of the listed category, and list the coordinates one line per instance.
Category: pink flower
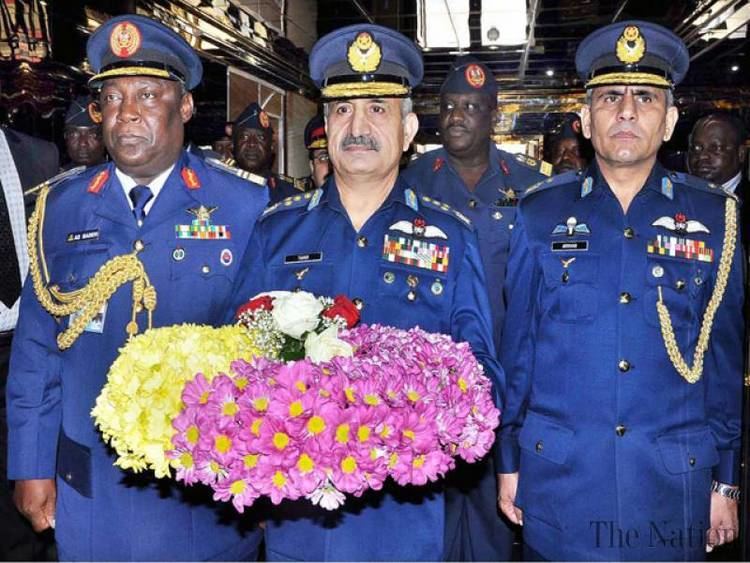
(238, 489)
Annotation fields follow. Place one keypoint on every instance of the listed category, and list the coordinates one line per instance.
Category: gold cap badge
(125, 39)
(364, 53)
(631, 45)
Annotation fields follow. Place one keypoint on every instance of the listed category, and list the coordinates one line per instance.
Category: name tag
(570, 246)
(303, 258)
(82, 236)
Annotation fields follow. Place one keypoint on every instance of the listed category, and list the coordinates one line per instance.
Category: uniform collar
(659, 180)
(398, 194)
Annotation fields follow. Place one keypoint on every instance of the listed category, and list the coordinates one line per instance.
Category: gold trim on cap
(364, 89)
(626, 78)
(321, 143)
(131, 71)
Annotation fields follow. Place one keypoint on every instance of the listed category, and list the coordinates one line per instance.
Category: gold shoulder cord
(693, 374)
(88, 300)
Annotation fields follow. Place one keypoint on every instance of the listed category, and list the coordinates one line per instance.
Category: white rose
(324, 346)
(296, 312)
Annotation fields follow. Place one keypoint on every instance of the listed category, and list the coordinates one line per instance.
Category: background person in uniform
(18, 173)
(623, 338)
(716, 152)
(316, 143)
(83, 137)
(253, 150)
(223, 145)
(331, 241)
(484, 183)
(564, 145)
(152, 199)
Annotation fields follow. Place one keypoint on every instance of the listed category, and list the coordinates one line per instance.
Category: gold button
(361, 242)
(472, 203)
(629, 232)
(625, 298)
(206, 269)
(138, 245)
(620, 430)
(657, 271)
(623, 365)
(565, 276)
(358, 303)
(539, 446)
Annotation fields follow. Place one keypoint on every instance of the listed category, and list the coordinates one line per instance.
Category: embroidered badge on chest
(201, 227)
(571, 227)
(680, 224)
(419, 228)
(415, 252)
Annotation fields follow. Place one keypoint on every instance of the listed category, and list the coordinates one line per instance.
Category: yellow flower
(143, 393)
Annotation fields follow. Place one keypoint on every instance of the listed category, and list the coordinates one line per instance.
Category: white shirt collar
(156, 185)
(731, 185)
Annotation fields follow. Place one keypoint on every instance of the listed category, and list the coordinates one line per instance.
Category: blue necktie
(140, 196)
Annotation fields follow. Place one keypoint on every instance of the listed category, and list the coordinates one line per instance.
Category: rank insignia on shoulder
(438, 164)
(418, 228)
(192, 182)
(52, 182)
(201, 227)
(667, 188)
(98, 182)
(571, 227)
(680, 224)
(587, 186)
(545, 168)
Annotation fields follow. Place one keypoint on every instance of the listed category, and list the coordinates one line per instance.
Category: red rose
(344, 308)
(262, 302)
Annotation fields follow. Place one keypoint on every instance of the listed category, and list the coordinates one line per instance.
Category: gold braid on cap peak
(364, 89)
(131, 71)
(616, 78)
(693, 373)
(88, 300)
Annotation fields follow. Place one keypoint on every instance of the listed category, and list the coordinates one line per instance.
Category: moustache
(360, 140)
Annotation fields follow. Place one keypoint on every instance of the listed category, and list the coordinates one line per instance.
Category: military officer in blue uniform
(252, 136)
(165, 231)
(472, 175)
(404, 258)
(620, 438)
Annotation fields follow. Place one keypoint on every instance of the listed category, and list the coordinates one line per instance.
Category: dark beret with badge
(315, 133)
(632, 52)
(253, 117)
(78, 113)
(468, 75)
(133, 45)
(365, 61)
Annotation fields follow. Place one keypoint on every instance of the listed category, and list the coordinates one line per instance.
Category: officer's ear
(411, 126)
(95, 112)
(586, 121)
(187, 107)
(671, 121)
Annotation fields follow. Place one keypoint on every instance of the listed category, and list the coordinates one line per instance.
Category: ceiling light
(734, 68)
(550, 72)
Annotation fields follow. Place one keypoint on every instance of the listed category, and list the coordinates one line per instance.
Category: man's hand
(507, 483)
(35, 499)
(724, 522)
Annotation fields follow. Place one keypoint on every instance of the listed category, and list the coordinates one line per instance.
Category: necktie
(10, 275)
(140, 196)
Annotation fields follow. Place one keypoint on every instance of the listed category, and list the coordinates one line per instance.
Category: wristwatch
(729, 491)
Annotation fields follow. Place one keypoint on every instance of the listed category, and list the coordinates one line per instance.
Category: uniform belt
(6, 337)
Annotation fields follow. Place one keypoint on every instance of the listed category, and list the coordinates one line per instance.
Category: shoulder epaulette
(700, 184)
(445, 208)
(552, 181)
(56, 179)
(292, 202)
(239, 172)
(540, 166)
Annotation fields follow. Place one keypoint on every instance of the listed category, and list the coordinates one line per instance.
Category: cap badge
(263, 119)
(364, 53)
(125, 39)
(631, 46)
(474, 76)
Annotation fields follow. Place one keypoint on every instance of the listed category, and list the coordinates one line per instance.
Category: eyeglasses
(323, 157)
(86, 132)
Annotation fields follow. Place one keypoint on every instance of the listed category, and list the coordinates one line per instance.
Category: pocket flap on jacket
(545, 438)
(688, 451)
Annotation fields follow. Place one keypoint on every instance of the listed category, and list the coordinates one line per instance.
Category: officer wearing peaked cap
(252, 136)
(620, 438)
(316, 143)
(364, 234)
(83, 137)
(133, 215)
(472, 175)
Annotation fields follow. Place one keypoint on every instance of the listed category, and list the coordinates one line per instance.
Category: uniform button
(497, 215)
(657, 271)
(691, 461)
(68, 476)
(680, 284)
(412, 295)
(620, 430)
(629, 232)
(389, 277)
(472, 203)
(539, 446)
(206, 269)
(361, 242)
(625, 298)
(358, 303)
(138, 245)
(623, 365)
